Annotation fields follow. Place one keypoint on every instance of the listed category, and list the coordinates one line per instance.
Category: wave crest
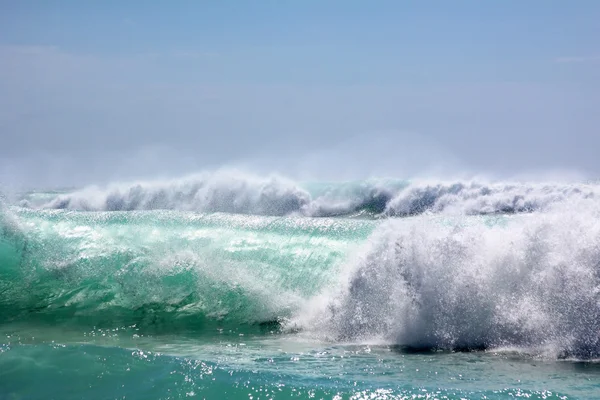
(474, 198)
(219, 192)
(234, 192)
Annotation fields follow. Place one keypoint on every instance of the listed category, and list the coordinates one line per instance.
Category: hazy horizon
(92, 93)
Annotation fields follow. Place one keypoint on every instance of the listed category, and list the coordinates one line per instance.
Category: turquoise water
(167, 304)
(124, 363)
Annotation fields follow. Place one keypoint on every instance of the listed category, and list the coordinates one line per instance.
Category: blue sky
(104, 90)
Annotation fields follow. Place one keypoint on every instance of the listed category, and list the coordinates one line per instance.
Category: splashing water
(226, 283)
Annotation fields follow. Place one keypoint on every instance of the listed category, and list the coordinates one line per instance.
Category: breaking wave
(475, 267)
(234, 192)
(165, 270)
(530, 282)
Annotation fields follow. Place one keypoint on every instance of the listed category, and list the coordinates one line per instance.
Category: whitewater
(233, 285)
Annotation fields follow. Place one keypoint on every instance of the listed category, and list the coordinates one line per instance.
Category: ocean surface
(233, 286)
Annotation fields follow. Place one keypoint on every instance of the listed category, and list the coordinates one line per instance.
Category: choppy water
(226, 286)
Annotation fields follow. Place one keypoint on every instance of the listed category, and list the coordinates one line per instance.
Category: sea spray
(529, 281)
(243, 193)
(414, 290)
(439, 279)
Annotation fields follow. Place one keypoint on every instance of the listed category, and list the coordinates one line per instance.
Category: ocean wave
(530, 282)
(164, 270)
(474, 198)
(219, 192)
(525, 281)
(235, 192)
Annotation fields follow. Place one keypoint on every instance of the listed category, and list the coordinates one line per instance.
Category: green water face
(166, 270)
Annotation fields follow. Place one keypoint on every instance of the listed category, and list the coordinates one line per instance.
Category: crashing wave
(219, 192)
(164, 270)
(475, 198)
(232, 192)
(528, 281)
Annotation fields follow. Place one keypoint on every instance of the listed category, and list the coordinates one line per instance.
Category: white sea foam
(526, 281)
(222, 191)
(235, 192)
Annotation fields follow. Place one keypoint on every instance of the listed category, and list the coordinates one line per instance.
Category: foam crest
(473, 198)
(216, 192)
(528, 281)
(340, 199)
(235, 192)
